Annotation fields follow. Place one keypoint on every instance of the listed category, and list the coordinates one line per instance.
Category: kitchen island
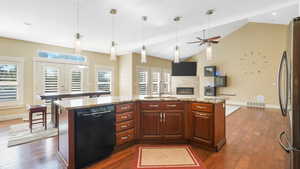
(154, 120)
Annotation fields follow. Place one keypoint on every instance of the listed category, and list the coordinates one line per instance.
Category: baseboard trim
(11, 117)
(271, 106)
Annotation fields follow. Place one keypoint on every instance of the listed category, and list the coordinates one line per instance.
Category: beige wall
(28, 50)
(250, 58)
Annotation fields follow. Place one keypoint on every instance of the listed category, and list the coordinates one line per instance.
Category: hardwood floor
(251, 144)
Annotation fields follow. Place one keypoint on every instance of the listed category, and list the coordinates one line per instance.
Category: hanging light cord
(112, 27)
(77, 16)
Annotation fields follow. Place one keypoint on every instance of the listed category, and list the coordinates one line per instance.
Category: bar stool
(37, 109)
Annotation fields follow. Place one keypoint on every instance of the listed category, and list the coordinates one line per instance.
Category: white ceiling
(53, 21)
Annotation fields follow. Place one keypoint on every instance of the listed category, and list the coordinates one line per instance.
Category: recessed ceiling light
(27, 24)
(274, 13)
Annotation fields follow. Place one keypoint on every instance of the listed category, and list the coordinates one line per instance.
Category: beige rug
(168, 157)
(20, 133)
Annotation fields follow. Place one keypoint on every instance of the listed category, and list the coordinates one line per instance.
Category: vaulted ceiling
(53, 21)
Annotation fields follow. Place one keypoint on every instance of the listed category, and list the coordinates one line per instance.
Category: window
(50, 55)
(9, 84)
(155, 81)
(51, 81)
(143, 82)
(76, 84)
(104, 80)
(166, 83)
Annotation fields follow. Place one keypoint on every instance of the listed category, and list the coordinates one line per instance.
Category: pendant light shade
(209, 52)
(77, 43)
(113, 51)
(113, 55)
(143, 54)
(177, 55)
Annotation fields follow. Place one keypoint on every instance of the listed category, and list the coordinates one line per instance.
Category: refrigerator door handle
(287, 148)
(283, 107)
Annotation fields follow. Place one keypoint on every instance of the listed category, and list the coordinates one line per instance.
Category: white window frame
(19, 61)
(100, 68)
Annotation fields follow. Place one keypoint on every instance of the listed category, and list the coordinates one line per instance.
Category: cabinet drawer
(150, 106)
(124, 107)
(202, 107)
(124, 125)
(124, 116)
(125, 136)
(172, 105)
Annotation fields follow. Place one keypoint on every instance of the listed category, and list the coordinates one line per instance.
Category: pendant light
(177, 50)
(209, 52)
(143, 50)
(113, 55)
(77, 40)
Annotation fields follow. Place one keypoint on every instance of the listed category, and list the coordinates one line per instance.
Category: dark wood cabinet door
(150, 123)
(202, 127)
(173, 125)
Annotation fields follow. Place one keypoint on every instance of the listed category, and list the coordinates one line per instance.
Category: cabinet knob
(124, 137)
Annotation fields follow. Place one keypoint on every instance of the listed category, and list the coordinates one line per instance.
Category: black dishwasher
(95, 134)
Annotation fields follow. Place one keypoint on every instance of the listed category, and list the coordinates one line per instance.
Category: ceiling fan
(208, 41)
(202, 41)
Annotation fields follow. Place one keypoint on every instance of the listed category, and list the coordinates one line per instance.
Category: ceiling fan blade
(214, 38)
(214, 41)
(193, 42)
(199, 38)
(201, 43)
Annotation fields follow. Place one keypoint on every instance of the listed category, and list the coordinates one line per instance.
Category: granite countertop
(78, 103)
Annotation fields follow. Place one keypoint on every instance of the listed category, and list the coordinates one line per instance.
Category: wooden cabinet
(163, 122)
(202, 124)
(125, 123)
(208, 125)
(151, 125)
(173, 125)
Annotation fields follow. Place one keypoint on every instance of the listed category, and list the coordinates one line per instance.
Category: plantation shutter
(8, 82)
(143, 82)
(155, 83)
(104, 80)
(166, 83)
(76, 81)
(51, 83)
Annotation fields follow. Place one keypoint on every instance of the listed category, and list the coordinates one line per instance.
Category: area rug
(230, 109)
(171, 157)
(20, 133)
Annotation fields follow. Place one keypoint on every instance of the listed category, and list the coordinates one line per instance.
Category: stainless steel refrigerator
(289, 95)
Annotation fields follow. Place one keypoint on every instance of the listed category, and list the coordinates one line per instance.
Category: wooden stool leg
(30, 121)
(45, 119)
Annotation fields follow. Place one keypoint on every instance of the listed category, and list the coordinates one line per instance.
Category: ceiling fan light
(113, 55)
(143, 54)
(77, 43)
(209, 52)
(176, 55)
